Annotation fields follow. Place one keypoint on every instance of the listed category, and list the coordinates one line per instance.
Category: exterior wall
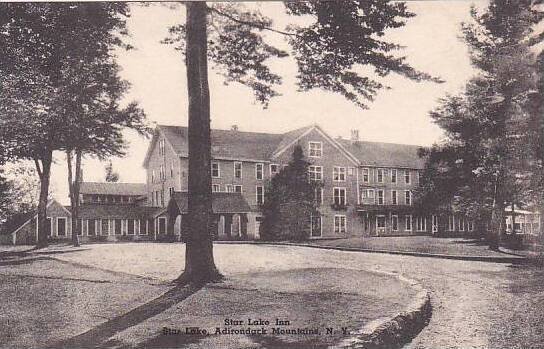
(331, 157)
(27, 233)
(172, 173)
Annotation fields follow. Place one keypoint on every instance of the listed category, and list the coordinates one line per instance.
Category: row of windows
(460, 223)
(377, 196)
(381, 173)
(420, 223)
(229, 188)
(106, 199)
(94, 227)
(162, 173)
(316, 228)
(259, 170)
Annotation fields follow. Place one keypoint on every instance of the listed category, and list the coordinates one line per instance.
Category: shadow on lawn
(95, 337)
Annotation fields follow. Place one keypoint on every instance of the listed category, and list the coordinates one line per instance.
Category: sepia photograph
(360, 174)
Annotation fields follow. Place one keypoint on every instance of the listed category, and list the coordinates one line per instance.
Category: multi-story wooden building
(367, 189)
(367, 186)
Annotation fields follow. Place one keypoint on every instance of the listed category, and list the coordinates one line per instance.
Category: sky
(157, 76)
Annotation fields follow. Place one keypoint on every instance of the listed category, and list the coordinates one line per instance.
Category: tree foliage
(60, 85)
(111, 175)
(492, 129)
(289, 202)
(331, 51)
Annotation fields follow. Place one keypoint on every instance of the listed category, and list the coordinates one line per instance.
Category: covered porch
(230, 216)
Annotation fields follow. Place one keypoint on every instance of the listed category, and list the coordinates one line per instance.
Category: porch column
(228, 225)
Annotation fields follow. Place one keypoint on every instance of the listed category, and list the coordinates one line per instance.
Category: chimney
(234, 128)
(354, 135)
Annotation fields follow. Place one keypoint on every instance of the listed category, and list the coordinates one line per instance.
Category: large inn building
(367, 189)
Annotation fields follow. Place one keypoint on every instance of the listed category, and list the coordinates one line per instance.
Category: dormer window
(315, 149)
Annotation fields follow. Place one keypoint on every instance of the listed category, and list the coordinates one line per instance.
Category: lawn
(98, 286)
(422, 244)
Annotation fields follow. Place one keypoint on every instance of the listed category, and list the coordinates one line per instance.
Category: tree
(290, 202)
(485, 163)
(71, 49)
(330, 51)
(111, 175)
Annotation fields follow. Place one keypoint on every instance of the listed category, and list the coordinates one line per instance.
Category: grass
(421, 244)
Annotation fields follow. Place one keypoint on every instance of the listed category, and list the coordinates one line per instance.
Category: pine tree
(290, 201)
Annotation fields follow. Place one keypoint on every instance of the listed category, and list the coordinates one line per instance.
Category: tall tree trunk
(199, 261)
(44, 172)
(73, 187)
(497, 215)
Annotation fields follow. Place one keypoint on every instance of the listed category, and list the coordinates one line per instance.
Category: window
(366, 175)
(117, 226)
(152, 176)
(143, 226)
(434, 223)
(408, 222)
(80, 231)
(216, 173)
(259, 171)
(161, 172)
(162, 225)
(379, 175)
(61, 226)
(339, 195)
(407, 176)
(461, 224)
(237, 170)
(92, 226)
(380, 197)
(229, 188)
(350, 171)
(216, 188)
(318, 195)
(238, 189)
(395, 223)
(380, 222)
(105, 227)
(171, 191)
(470, 225)
(393, 176)
(162, 197)
(273, 169)
(130, 227)
(394, 197)
(339, 174)
(421, 224)
(260, 194)
(316, 149)
(315, 225)
(367, 194)
(408, 197)
(172, 170)
(316, 173)
(339, 224)
(451, 223)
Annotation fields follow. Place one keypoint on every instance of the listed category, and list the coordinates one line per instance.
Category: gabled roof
(113, 188)
(99, 211)
(221, 203)
(385, 154)
(293, 136)
(238, 145)
(226, 144)
(23, 219)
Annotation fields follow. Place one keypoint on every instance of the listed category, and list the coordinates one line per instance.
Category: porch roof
(221, 203)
